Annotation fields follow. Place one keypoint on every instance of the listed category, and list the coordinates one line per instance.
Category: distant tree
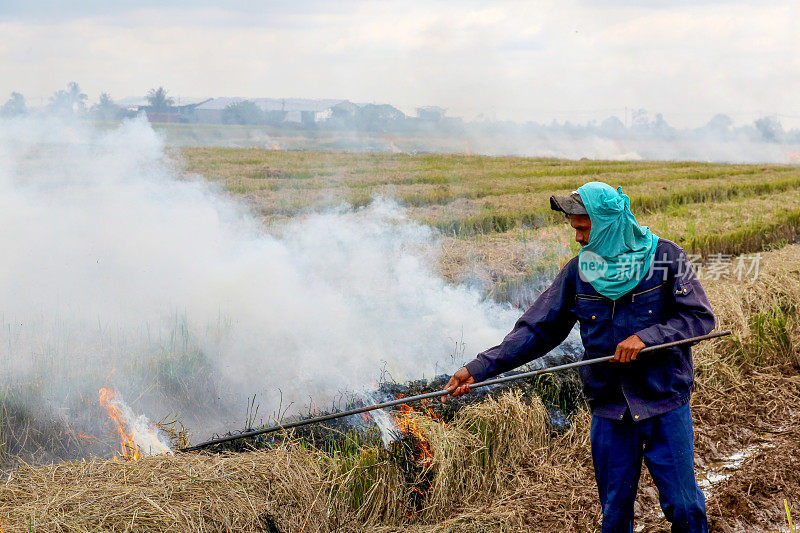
(105, 108)
(15, 106)
(378, 117)
(244, 112)
(71, 100)
(639, 120)
(719, 127)
(431, 112)
(158, 99)
(661, 128)
(612, 126)
(720, 122)
(770, 129)
(344, 114)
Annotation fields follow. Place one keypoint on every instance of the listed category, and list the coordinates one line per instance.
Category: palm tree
(105, 108)
(14, 106)
(71, 100)
(76, 96)
(105, 100)
(158, 99)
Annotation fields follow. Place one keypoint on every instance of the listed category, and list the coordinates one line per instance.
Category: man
(628, 289)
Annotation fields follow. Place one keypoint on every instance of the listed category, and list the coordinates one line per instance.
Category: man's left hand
(628, 349)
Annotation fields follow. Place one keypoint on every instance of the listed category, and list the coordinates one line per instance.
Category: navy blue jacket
(668, 304)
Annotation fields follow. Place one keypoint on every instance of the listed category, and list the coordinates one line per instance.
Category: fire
(135, 441)
(129, 451)
(431, 413)
(407, 422)
(276, 146)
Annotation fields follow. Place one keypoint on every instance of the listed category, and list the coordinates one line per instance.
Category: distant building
(308, 117)
(344, 111)
(276, 110)
(431, 113)
(172, 114)
(298, 111)
(295, 117)
(322, 116)
(366, 116)
(378, 116)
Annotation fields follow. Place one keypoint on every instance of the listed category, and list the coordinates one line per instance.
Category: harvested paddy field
(502, 463)
(497, 209)
(468, 196)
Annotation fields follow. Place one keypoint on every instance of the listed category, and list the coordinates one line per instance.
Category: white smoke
(137, 433)
(115, 261)
(733, 145)
(689, 148)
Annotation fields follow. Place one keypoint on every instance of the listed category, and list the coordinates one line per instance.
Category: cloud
(512, 59)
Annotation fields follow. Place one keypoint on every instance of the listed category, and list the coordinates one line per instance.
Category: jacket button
(685, 291)
(636, 417)
(593, 317)
(649, 311)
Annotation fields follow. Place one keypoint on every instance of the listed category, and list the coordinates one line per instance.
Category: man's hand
(459, 383)
(627, 350)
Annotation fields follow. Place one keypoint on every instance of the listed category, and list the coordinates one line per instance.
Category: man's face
(582, 225)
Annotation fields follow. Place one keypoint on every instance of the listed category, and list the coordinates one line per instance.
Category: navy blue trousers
(665, 444)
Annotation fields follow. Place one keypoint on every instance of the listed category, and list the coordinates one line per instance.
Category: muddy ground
(749, 449)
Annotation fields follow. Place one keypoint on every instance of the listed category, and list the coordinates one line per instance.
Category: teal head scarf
(620, 251)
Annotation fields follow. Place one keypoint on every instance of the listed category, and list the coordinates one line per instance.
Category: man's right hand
(459, 383)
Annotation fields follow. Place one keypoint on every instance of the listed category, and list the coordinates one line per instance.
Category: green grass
(649, 203)
(781, 228)
(707, 208)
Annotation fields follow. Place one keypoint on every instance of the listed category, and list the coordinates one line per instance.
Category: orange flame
(431, 413)
(276, 146)
(129, 451)
(406, 421)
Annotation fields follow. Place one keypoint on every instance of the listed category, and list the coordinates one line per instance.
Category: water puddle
(718, 471)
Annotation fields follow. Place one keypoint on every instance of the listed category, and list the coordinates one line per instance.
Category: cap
(569, 205)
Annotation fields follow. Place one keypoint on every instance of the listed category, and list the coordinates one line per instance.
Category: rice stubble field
(496, 465)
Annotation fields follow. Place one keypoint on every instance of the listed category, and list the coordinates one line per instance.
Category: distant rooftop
(274, 104)
(134, 101)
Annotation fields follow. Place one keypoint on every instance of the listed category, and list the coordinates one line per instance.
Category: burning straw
(495, 465)
(291, 487)
(138, 437)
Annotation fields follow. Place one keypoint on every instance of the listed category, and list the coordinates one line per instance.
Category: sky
(575, 60)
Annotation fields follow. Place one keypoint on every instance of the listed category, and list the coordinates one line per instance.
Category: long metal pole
(442, 392)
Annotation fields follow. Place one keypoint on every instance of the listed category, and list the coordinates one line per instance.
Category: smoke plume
(121, 269)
